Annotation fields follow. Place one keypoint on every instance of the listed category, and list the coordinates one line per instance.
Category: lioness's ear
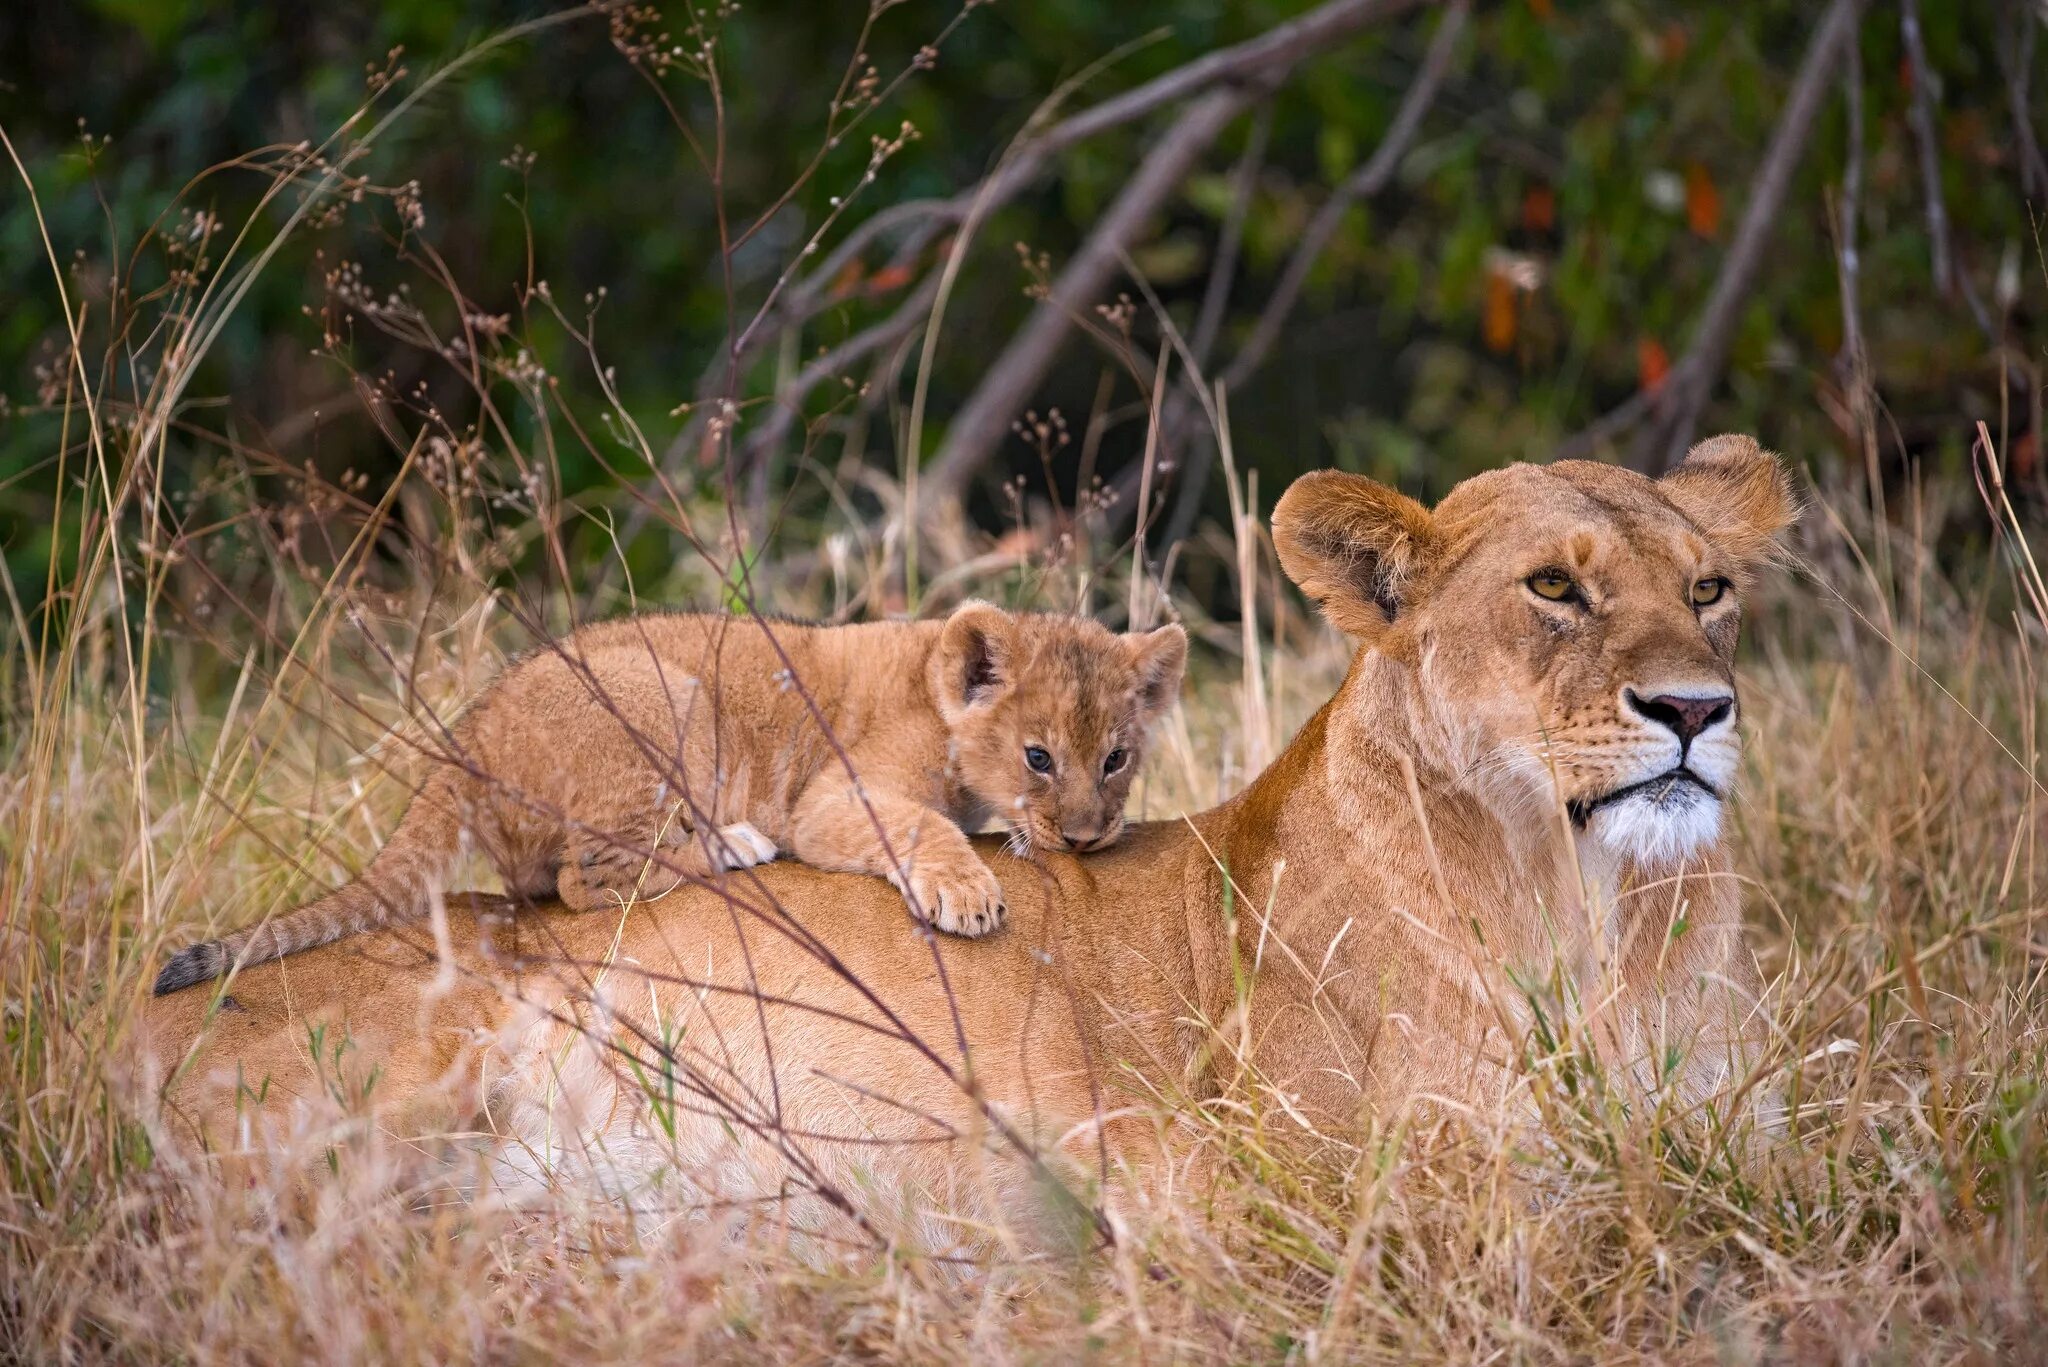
(1740, 494)
(972, 662)
(1354, 546)
(1157, 658)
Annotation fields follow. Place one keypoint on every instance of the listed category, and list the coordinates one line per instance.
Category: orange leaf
(1545, 10)
(1539, 209)
(890, 278)
(1673, 41)
(849, 276)
(1497, 324)
(1652, 364)
(1702, 201)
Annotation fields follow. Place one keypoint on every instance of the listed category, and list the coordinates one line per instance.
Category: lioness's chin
(1658, 829)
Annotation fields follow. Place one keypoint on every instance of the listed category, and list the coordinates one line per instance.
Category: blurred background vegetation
(1540, 256)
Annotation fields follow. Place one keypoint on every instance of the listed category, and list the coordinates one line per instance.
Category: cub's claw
(740, 846)
(959, 896)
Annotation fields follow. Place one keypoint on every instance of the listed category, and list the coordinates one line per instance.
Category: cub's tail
(395, 887)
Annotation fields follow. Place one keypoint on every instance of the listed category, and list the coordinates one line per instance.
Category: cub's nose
(1685, 717)
(1083, 841)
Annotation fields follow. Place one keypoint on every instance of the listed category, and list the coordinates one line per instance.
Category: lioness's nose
(1685, 717)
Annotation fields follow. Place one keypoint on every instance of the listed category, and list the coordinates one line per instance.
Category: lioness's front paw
(956, 893)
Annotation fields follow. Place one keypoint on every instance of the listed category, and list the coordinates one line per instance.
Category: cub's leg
(614, 867)
(936, 870)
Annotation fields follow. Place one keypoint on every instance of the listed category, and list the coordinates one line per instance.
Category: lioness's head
(1571, 627)
(1048, 716)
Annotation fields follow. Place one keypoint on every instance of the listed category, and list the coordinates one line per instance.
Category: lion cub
(637, 753)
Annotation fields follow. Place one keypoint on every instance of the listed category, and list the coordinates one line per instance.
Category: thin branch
(980, 424)
(1365, 182)
(2017, 57)
(1277, 48)
(1669, 416)
(1920, 114)
(1850, 360)
(1244, 183)
(1950, 282)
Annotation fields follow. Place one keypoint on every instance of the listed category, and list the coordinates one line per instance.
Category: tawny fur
(637, 755)
(1414, 846)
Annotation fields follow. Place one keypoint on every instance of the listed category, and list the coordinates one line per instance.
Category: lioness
(1524, 774)
(668, 748)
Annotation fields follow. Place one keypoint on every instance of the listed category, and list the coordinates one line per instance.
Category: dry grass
(199, 718)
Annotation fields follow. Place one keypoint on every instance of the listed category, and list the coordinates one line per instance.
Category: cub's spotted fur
(639, 753)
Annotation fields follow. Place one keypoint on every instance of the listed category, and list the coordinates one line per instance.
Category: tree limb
(2017, 58)
(924, 219)
(1949, 280)
(1363, 183)
(980, 424)
(1670, 416)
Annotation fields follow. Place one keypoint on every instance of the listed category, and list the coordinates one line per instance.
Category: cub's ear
(1158, 658)
(973, 660)
(1738, 493)
(1353, 545)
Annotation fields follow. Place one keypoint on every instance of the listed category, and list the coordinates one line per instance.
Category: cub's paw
(956, 893)
(740, 846)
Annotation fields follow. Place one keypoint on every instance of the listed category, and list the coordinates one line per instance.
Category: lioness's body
(639, 754)
(1418, 877)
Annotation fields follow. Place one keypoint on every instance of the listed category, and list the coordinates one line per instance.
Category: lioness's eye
(1039, 760)
(1706, 592)
(1114, 761)
(1554, 585)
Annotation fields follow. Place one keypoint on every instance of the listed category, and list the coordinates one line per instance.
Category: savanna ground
(227, 618)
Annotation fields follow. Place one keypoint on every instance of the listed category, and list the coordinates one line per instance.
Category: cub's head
(1048, 716)
(1571, 627)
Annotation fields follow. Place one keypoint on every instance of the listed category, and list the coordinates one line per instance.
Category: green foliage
(1604, 150)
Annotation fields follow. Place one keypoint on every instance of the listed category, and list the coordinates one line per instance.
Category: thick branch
(1363, 183)
(1367, 180)
(1271, 51)
(979, 426)
(2017, 58)
(1674, 410)
(1921, 115)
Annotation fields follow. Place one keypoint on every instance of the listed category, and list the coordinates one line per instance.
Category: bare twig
(1670, 415)
(1949, 281)
(1363, 183)
(1920, 114)
(922, 220)
(1244, 183)
(2017, 58)
(980, 424)
(1850, 261)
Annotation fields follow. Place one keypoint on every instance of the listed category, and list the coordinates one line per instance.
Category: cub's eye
(1707, 592)
(1114, 761)
(1039, 760)
(1555, 585)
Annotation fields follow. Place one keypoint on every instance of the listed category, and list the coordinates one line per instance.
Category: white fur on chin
(1658, 831)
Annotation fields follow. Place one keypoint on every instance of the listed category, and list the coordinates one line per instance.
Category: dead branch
(1920, 114)
(1949, 281)
(980, 424)
(1363, 183)
(922, 220)
(1244, 184)
(1669, 416)
(2017, 57)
